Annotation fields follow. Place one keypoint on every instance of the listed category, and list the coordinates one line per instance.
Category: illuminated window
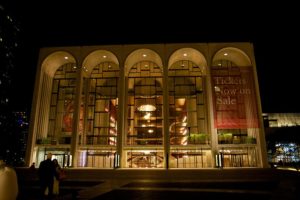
(144, 114)
(102, 105)
(62, 104)
(187, 113)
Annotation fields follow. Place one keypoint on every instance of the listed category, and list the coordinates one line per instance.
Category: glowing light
(147, 116)
(146, 152)
(217, 89)
(146, 108)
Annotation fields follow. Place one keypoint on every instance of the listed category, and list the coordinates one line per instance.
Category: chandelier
(146, 108)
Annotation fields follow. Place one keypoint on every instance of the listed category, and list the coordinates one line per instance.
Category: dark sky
(273, 30)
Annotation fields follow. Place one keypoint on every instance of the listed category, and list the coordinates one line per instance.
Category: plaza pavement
(155, 184)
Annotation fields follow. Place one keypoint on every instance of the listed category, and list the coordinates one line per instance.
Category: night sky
(272, 30)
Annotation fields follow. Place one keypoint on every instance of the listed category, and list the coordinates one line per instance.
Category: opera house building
(163, 106)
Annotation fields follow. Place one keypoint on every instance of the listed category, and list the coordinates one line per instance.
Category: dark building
(9, 33)
(283, 139)
(21, 122)
(8, 46)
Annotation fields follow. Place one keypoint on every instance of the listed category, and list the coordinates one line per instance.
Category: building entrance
(145, 159)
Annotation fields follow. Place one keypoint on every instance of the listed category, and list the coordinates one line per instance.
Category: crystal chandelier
(146, 108)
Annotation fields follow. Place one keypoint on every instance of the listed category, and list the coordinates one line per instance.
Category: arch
(142, 55)
(232, 54)
(97, 57)
(191, 55)
(53, 61)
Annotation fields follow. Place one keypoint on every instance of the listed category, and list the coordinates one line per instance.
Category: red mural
(68, 117)
(234, 98)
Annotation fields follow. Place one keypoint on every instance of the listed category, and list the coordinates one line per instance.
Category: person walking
(32, 166)
(8, 182)
(56, 178)
(47, 172)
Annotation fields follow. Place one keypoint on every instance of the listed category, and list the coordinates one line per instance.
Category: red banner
(234, 98)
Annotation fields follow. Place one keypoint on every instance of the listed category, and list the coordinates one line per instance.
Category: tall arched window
(235, 108)
(187, 105)
(99, 138)
(187, 116)
(102, 104)
(145, 105)
(145, 114)
(62, 104)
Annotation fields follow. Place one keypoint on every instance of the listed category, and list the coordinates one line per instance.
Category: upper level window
(187, 109)
(62, 104)
(102, 105)
(145, 104)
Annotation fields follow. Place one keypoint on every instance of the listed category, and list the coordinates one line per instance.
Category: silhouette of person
(46, 172)
(8, 182)
(57, 178)
(32, 166)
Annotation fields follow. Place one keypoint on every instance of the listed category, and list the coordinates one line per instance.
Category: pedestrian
(47, 173)
(32, 166)
(8, 182)
(56, 178)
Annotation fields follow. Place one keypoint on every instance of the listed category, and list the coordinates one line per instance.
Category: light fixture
(146, 108)
(147, 116)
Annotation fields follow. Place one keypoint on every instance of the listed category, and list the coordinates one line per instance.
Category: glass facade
(137, 112)
(188, 116)
(99, 115)
(144, 116)
(62, 105)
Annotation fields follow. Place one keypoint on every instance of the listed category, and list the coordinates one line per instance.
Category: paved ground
(30, 190)
(149, 190)
(162, 185)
